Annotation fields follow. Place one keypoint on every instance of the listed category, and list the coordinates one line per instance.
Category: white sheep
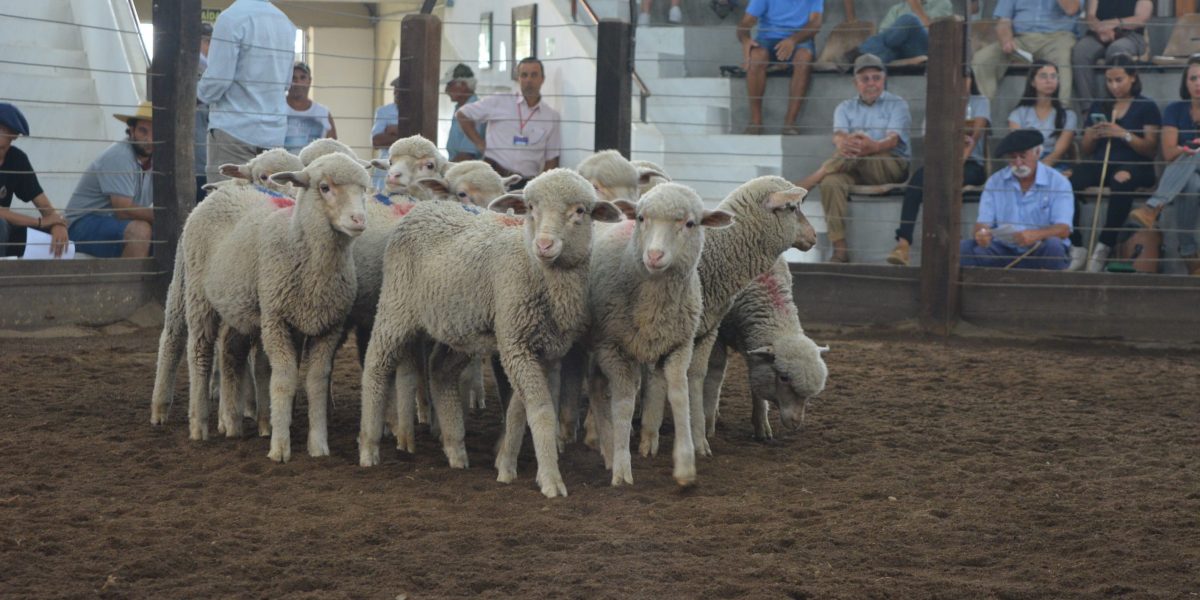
(649, 175)
(409, 160)
(475, 182)
(611, 174)
(260, 268)
(768, 222)
(645, 302)
(258, 171)
(785, 366)
(480, 284)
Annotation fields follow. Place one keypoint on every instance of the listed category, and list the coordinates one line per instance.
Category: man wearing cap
(1025, 212)
(111, 211)
(249, 67)
(523, 134)
(461, 90)
(17, 179)
(870, 134)
(786, 33)
(307, 120)
(1027, 30)
(385, 130)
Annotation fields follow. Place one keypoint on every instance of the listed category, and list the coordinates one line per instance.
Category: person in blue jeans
(904, 31)
(786, 30)
(1025, 212)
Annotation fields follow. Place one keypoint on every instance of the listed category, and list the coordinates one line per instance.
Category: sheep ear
(511, 180)
(627, 208)
(822, 350)
(767, 352)
(380, 164)
(716, 219)
(208, 187)
(297, 178)
(366, 164)
(434, 185)
(514, 201)
(645, 175)
(236, 171)
(605, 212)
(777, 200)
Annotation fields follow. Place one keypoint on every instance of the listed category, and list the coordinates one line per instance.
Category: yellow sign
(209, 15)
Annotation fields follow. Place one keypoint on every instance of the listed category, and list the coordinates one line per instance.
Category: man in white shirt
(523, 135)
(308, 120)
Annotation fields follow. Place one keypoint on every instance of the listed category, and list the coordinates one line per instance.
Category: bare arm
(468, 127)
(1071, 7)
(1063, 144)
(1004, 35)
(390, 134)
(550, 164)
(848, 5)
(127, 210)
(332, 133)
(1030, 237)
(54, 222)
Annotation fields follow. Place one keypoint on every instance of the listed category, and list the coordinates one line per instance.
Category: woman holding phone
(1041, 109)
(1128, 123)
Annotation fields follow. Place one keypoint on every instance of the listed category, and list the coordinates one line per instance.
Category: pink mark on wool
(626, 228)
(400, 209)
(279, 202)
(774, 292)
(510, 220)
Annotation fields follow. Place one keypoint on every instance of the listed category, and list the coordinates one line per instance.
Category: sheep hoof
(281, 450)
(685, 474)
(506, 474)
(234, 429)
(221, 426)
(368, 455)
(649, 444)
(702, 447)
(406, 442)
(198, 432)
(686, 481)
(158, 415)
(317, 446)
(457, 455)
(552, 485)
(622, 474)
(264, 428)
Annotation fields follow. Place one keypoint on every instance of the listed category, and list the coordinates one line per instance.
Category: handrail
(643, 90)
(136, 22)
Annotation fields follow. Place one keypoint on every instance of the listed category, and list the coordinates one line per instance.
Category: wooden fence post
(173, 94)
(420, 57)
(614, 83)
(945, 103)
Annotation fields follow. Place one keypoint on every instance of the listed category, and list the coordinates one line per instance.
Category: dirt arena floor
(1016, 468)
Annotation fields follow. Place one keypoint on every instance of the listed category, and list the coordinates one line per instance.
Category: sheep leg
(426, 353)
(318, 367)
(234, 352)
(554, 383)
(529, 377)
(470, 385)
(281, 353)
(675, 368)
(403, 389)
(600, 403)
(214, 386)
(714, 376)
(622, 376)
(699, 412)
(653, 399)
(570, 387)
(202, 333)
(761, 417)
(385, 353)
(171, 345)
(444, 379)
(511, 440)
(261, 366)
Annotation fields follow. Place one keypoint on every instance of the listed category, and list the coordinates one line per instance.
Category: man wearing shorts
(111, 211)
(786, 30)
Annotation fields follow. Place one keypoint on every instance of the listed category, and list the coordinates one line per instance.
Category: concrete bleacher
(699, 117)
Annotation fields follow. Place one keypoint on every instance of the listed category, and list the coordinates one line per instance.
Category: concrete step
(53, 29)
(51, 10)
(658, 39)
(30, 60)
(688, 91)
(689, 119)
(75, 87)
(661, 65)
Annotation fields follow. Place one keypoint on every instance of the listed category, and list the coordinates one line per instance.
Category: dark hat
(1019, 141)
(205, 29)
(303, 66)
(11, 118)
(868, 61)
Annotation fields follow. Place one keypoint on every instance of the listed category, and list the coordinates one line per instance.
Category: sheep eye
(784, 378)
(262, 177)
(324, 188)
(690, 224)
(579, 210)
(462, 194)
(641, 219)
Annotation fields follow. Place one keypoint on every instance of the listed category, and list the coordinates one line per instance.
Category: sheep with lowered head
(256, 269)
(785, 366)
(516, 285)
(768, 222)
(649, 175)
(645, 302)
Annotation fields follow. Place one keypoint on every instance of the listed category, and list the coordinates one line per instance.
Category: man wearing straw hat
(18, 180)
(1024, 213)
(111, 211)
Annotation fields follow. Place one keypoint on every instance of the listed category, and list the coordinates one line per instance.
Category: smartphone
(1099, 118)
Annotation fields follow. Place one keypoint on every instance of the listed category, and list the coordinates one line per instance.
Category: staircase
(68, 65)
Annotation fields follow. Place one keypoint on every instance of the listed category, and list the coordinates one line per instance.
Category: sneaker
(1191, 263)
(1144, 216)
(840, 254)
(791, 130)
(675, 15)
(753, 129)
(643, 18)
(1099, 257)
(1078, 258)
(899, 255)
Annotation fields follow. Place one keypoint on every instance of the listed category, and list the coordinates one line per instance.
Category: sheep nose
(544, 245)
(654, 256)
(359, 219)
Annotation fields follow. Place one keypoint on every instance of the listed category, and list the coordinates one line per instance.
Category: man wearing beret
(17, 179)
(1025, 211)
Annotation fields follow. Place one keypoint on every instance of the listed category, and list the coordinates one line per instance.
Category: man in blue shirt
(786, 30)
(1025, 212)
(461, 90)
(1028, 30)
(249, 71)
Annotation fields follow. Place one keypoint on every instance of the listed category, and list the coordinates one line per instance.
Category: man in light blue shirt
(385, 130)
(249, 71)
(1028, 30)
(904, 31)
(461, 90)
(786, 30)
(1025, 212)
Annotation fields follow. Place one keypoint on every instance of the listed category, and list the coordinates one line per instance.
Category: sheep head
(410, 159)
(320, 147)
(559, 207)
(613, 177)
(475, 182)
(260, 169)
(336, 184)
(772, 204)
(788, 374)
(669, 231)
(649, 175)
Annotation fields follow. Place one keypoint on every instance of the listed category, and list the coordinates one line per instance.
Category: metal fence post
(614, 73)
(420, 55)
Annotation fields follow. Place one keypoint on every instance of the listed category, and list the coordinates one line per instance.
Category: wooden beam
(614, 73)
(420, 57)
(940, 234)
(173, 94)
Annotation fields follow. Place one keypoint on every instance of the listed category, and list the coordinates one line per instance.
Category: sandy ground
(952, 469)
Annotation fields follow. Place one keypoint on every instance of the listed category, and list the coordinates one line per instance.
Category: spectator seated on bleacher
(786, 33)
(1128, 122)
(904, 30)
(1025, 211)
(1113, 27)
(112, 209)
(974, 173)
(1040, 109)
(1028, 29)
(19, 180)
(871, 136)
(1180, 181)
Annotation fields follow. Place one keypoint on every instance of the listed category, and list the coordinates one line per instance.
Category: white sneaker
(1099, 257)
(675, 15)
(1078, 258)
(643, 18)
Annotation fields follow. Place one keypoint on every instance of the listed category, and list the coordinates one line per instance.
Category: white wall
(344, 84)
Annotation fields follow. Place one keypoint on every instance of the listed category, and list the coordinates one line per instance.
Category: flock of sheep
(609, 274)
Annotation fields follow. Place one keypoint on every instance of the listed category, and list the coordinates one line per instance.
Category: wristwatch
(1128, 137)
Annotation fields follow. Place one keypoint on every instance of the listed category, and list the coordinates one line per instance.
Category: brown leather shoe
(840, 253)
(1144, 216)
(1192, 264)
(899, 255)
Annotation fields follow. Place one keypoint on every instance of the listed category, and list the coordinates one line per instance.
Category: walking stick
(1023, 256)
(1100, 194)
